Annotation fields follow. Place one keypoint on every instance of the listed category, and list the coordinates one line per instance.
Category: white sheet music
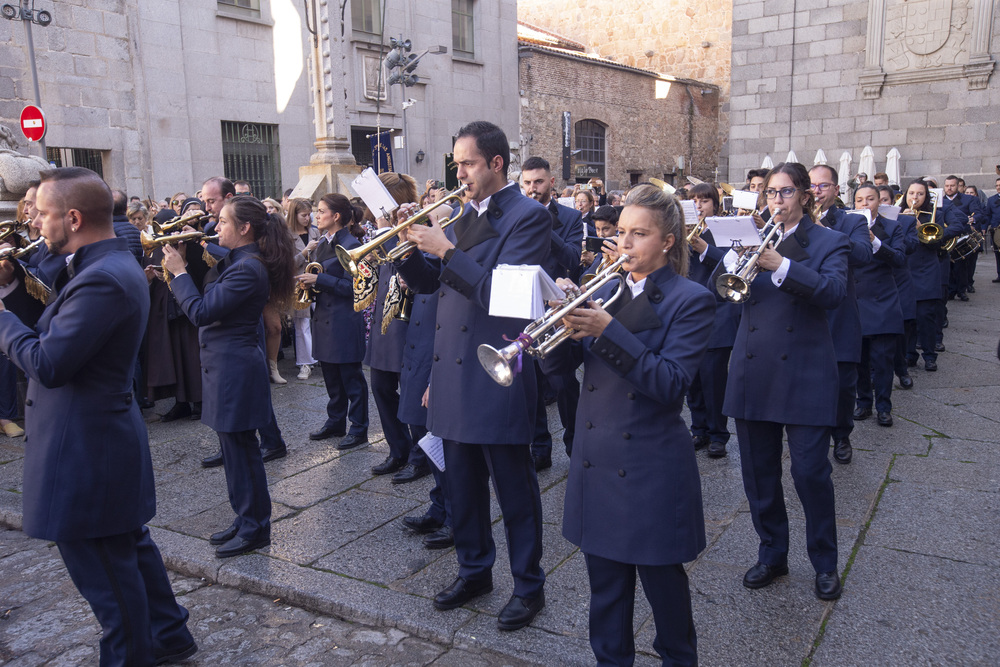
(690, 212)
(370, 188)
(745, 200)
(734, 230)
(888, 211)
(433, 446)
(521, 291)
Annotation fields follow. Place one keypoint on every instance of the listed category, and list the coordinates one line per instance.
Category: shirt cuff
(8, 288)
(729, 260)
(701, 257)
(876, 244)
(778, 276)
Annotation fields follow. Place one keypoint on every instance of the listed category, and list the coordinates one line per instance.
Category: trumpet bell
(498, 362)
(732, 288)
(348, 260)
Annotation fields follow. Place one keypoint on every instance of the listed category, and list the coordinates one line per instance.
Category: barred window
(250, 152)
(76, 157)
(590, 136)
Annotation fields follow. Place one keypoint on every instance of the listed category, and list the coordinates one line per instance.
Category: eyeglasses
(786, 193)
(820, 187)
(175, 202)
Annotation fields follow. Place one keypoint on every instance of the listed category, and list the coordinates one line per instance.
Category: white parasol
(820, 157)
(845, 172)
(866, 165)
(767, 163)
(791, 157)
(892, 166)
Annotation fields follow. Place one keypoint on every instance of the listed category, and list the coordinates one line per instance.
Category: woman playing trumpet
(783, 379)
(633, 499)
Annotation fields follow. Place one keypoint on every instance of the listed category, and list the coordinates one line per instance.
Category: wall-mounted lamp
(419, 157)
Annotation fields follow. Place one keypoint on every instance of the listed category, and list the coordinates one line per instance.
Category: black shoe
(196, 411)
(422, 524)
(541, 462)
(971, 290)
(997, 279)
(716, 450)
(700, 441)
(327, 432)
(351, 441)
(905, 381)
(213, 461)
(761, 575)
(828, 586)
(390, 465)
(945, 325)
(884, 419)
(963, 297)
(410, 473)
(223, 536)
(930, 366)
(145, 403)
(442, 538)
(276, 453)
(861, 414)
(939, 347)
(462, 591)
(239, 546)
(171, 655)
(179, 411)
(519, 612)
(842, 452)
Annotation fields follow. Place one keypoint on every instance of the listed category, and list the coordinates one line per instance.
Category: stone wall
(644, 134)
(839, 75)
(683, 38)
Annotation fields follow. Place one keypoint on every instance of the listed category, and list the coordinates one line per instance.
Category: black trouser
(385, 391)
(567, 389)
(345, 385)
(847, 372)
(875, 371)
(707, 394)
(246, 482)
(928, 328)
(902, 342)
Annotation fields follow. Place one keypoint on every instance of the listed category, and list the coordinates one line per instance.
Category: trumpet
(349, 259)
(11, 228)
(150, 243)
(696, 229)
(735, 286)
(548, 331)
(305, 295)
(178, 223)
(18, 253)
(930, 231)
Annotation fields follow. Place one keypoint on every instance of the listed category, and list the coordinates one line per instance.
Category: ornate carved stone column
(872, 78)
(981, 62)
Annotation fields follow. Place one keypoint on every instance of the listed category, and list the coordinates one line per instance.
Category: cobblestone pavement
(917, 517)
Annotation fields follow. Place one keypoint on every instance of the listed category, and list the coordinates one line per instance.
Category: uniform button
(618, 363)
(588, 425)
(789, 329)
(590, 387)
(611, 355)
(441, 294)
(463, 328)
(753, 302)
(206, 371)
(437, 326)
(203, 345)
(128, 399)
(417, 323)
(631, 396)
(784, 357)
(435, 357)
(586, 464)
(752, 329)
(627, 435)
(621, 473)
(749, 355)
(459, 361)
(412, 346)
(29, 402)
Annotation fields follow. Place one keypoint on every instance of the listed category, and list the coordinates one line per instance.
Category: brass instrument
(178, 223)
(349, 258)
(735, 286)
(930, 231)
(16, 229)
(663, 185)
(19, 253)
(150, 243)
(696, 229)
(548, 331)
(305, 295)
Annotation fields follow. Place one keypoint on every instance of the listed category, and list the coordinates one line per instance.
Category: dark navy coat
(634, 492)
(929, 264)
(993, 211)
(907, 300)
(87, 469)
(727, 314)
(338, 331)
(236, 391)
(415, 371)
(46, 265)
(961, 201)
(845, 319)
(878, 295)
(784, 367)
(466, 405)
(385, 351)
(567, 242)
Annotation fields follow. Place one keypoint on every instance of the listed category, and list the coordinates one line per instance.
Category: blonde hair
(669, 219)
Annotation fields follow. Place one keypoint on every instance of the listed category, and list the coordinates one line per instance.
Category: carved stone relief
(922, 34)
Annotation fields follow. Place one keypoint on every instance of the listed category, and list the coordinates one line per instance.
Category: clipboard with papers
(734, 231)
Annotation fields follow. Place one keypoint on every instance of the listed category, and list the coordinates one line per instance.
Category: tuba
(305, 295)
(350, 259)
(735, 286)
(548, 331)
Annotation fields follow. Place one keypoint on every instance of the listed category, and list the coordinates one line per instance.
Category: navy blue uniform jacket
(385, 351)
(634, 492)
(338, 331)
(784, 367)
(87, 470)
(415, 373)
(567, 242)
(993, 211)
(845, 320)
(727, 314)
(236, 392)
(929, 265)
(904, 281)
(466, 405)
(878, 295)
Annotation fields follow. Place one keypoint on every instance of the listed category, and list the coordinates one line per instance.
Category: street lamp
(401, 65)
(27, 14)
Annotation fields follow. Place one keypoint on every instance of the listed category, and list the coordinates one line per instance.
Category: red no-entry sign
(33, 123)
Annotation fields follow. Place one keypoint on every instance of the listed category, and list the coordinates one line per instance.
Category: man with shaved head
(88, 477)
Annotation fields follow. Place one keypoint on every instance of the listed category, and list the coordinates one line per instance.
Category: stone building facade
(161, 94)
(915, 75)
(684, 38)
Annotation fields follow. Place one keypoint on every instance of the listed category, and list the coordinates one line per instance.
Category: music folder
(729, 231)
(520, 291)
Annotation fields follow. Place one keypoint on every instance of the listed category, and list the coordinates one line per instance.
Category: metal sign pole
(26, 20)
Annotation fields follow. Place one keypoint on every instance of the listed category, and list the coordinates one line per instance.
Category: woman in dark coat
(235, 382)
(633, 499)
